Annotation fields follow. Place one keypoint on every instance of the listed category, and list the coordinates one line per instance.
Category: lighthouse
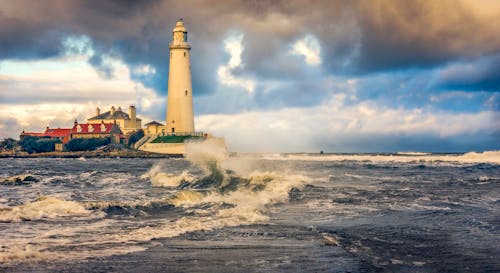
(177, 135)
(180, 116)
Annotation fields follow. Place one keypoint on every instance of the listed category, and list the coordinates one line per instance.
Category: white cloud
(56, 91)
(308, 47)
(145, 70)
(77, 46)
(304, 129)
(234, 47)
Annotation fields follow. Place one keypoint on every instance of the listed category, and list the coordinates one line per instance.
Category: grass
(173, 139)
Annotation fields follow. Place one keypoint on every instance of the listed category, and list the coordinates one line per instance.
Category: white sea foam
(18, 253)
(44, 208)
(171, 180)
(86, 175)
(485, 178)
(159, 178)
(492, 157)
(246, 201)
(248, 206)
(412, 153)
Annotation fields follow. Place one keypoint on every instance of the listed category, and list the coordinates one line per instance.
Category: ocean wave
(221, 198)
(243, 206)
(18, 253)
(44, 208)
(491, 157)
(22, 179)
(413, 153)
(127, 206)
(216, 199)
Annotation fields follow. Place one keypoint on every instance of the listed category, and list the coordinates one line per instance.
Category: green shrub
(86, 144)
(8, 144)
(33, 144)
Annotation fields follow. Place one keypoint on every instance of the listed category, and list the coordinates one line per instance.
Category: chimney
(97, 111)
(112, 110)
(75, 123)
(132, 114)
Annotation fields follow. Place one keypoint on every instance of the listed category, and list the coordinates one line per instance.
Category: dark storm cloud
(480, 75)
(21, 39)
(357, 37)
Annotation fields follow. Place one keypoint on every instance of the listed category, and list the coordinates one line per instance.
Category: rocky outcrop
(19, 179)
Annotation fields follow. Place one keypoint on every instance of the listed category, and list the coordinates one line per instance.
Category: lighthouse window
(186, 92)
(184, 54)
(185, 37)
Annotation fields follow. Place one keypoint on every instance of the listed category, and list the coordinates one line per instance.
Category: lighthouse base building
(178, 130)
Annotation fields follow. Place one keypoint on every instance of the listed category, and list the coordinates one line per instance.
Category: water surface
(253, 213)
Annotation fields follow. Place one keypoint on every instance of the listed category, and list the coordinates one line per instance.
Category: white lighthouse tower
(178, 134)
(180, 116)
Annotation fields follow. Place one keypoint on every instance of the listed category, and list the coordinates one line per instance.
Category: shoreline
(90, 154)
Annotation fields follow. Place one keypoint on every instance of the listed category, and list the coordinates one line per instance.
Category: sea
(218, 212)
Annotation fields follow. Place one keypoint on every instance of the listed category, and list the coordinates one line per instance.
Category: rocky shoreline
(88, 154)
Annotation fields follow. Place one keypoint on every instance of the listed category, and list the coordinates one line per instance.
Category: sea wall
(164, 148)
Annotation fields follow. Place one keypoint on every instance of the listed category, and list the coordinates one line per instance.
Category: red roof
(62, 134)
(98, 128)
(32, 134)
(57, 132)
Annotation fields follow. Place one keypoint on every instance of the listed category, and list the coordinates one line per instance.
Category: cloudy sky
(276, 76)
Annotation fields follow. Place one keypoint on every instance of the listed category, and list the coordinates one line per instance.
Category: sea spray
(221, 198)
(246, 205)
(208, 154)
(159, 178)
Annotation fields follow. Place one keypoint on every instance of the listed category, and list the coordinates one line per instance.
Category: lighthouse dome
(179, 26)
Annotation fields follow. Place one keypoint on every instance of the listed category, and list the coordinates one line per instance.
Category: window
(186, 93)
(78, 128)
(184, 54)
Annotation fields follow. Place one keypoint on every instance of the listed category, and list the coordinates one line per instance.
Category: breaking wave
(214, 198)
(491, 157)
(234, 201)
(221, 198)
(163, 179)
(44, 208)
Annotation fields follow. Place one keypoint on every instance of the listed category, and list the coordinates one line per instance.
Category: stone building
(63, 134)
(128, 122)
(97, 130)
(154, 128)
